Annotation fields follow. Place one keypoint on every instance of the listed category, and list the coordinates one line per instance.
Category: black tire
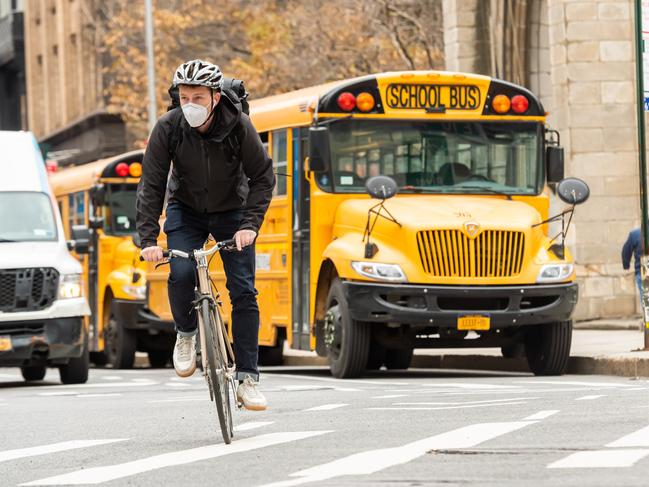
(515, 350)
(376, 356)
(119, 344)
(272, 355)
(100, 359)
(158, 359)
(76, 370)
(548, 347)
(348, 341)
(219, 384)
(33, 372)
(398, 358)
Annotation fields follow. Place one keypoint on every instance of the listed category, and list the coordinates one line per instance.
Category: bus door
(301, 225)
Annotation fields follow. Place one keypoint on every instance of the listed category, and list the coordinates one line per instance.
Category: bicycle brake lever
(162, 263)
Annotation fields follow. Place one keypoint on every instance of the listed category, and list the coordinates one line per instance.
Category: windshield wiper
(488, 190)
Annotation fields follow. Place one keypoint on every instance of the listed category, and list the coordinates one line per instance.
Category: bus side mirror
(98, 195)
(319, 150)
(554, 163)
(80, 239)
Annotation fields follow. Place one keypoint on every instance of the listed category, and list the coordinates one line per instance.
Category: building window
(279, 161)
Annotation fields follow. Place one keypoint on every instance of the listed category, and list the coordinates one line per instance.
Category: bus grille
(450, 253)
(27, 289)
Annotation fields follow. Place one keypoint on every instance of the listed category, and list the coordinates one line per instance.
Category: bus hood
(427, 212)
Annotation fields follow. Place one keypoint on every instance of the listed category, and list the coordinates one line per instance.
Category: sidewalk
(606, 347)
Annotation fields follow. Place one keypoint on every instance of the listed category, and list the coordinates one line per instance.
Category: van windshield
(436, 157)
(26, 217)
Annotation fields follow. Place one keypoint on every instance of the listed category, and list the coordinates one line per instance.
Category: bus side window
(280, 163)
(76, 209)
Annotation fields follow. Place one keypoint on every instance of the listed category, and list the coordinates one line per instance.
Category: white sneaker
(248, 394)
(185, 355)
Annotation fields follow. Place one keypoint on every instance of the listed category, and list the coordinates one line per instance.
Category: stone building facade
(579, 57)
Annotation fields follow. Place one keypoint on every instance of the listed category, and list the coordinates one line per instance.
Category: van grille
(27, 289)
(450, 253)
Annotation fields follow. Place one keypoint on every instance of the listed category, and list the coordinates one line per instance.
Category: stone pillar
(461, 37)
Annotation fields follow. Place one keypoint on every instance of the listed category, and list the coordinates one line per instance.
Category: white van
(42, 307)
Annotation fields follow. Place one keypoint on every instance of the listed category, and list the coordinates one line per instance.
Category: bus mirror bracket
(383, 188)
(80, 239)
(98, 195)
(319, 149)
(96, 222)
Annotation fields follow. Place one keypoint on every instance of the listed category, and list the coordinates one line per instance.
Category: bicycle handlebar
(229, 244)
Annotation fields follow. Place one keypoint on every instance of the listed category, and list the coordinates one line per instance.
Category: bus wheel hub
(333, 328)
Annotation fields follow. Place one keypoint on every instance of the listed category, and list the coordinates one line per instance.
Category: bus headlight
(70, 286)
(137, 292)
(383, 272)
(555, 272)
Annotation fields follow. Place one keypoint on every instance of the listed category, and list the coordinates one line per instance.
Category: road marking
(181, 399)
(52, 448)
(390, 396)
(372, 461)
(446, 407)
(108, 384)
(98, 475)
(58, 393)
(252, 425)
(601, 459)
(177, 384)
(637, 389)
(575, 383)
(636, 439)
(110, 394)
(327, 407)
(469, 385)
(112, 377)
(502, 401)
(541, 415)
(589, 398)
(346, 381)
(9, 376)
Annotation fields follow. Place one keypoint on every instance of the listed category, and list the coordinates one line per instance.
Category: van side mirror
(319, 149)
(98, 194)
(80, 239)
(554, 163)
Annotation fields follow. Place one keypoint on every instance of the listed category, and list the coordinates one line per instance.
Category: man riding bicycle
(221, 184)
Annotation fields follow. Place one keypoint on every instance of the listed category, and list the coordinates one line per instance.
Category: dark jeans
(187, 230)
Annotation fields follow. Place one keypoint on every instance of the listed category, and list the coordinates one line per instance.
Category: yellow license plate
(5, 343)
(473, 322)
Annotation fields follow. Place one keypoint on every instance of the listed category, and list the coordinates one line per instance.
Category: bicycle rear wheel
(216, 368)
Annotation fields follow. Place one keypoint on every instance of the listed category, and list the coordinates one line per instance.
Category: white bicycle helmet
(198, 73)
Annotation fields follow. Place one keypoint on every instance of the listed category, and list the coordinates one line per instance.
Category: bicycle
(217, 363)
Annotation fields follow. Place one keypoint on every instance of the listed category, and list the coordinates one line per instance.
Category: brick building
(579, 57)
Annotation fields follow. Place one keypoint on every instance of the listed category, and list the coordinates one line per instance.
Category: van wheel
(158, 358)
(548, 347)
(272, 355)
(119, 344)
(347, 341)
(398, 358)
(76, 370)
(33, 372)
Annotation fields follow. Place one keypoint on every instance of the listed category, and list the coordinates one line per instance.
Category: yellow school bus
(97, 203)
(411, 211)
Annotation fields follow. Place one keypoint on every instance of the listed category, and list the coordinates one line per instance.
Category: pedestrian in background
(633, 246)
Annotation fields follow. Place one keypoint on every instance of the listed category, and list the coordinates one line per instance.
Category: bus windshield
(120, 207)
(26, 217)
(436, 157)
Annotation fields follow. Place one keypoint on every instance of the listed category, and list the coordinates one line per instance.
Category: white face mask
(195, 114)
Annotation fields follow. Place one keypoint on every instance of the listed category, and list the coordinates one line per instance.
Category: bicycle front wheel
(216, 373)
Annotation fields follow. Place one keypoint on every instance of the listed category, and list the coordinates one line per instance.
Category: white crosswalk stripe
(52, 448)
(98, 475)
(327, 407)
(372, 461)
(638, 438)
(601, 459)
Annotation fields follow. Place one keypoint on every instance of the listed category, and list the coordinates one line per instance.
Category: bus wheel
(398, 358)
(158, 358)
(347, 341)
(119, 344)
(548, 347)
(376, 356)
(76, 370)
(33, 372)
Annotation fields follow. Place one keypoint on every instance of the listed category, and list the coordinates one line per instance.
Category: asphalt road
(421, 427)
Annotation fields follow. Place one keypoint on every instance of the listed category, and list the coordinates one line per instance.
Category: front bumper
(50, 342)
(440, 306)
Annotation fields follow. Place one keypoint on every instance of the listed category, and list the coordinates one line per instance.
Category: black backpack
(235, 91)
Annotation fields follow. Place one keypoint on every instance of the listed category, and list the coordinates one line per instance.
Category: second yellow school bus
(460, 257)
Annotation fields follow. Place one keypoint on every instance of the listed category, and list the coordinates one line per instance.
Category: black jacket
(207, 176)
